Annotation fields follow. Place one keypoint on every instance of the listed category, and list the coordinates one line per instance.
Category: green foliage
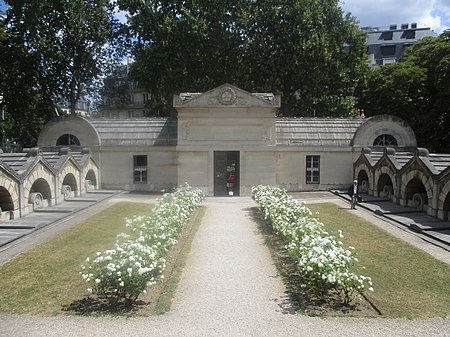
(53, 50)
(304, 50)
(307, 52)
(416, 89)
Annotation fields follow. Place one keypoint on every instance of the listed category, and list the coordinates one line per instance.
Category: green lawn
(46, 278)
(408, 282)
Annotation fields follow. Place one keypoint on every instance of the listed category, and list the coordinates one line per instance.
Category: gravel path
(229, 287)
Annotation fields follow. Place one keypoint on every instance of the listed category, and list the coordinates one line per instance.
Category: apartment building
(386, 45)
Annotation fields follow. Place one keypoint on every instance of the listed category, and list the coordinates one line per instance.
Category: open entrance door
(226, 173)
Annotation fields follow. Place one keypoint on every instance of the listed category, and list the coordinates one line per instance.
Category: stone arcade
(36, 179)
(227, 140)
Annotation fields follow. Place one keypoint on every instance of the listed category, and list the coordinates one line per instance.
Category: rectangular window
(388, 50)
(140, 169)
(387, 35)
(312, 169)
(409, 34)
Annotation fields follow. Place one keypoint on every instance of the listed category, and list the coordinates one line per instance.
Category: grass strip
(46, 278)
(408, 282)
(174, 271)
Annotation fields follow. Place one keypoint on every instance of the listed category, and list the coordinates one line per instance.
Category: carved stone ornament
(227, 96)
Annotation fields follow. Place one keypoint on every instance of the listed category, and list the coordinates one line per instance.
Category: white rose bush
(138, 260)
(320, 257)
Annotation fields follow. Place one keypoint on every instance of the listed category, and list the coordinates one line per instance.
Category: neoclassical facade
(227, 140)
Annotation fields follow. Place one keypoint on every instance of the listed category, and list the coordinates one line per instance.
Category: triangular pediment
(226, 95)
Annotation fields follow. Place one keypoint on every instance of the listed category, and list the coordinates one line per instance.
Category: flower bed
(320, 257)
(138, 260)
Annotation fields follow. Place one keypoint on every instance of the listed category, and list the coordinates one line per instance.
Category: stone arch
(69, 185)
(76, 126)
(6, 200)
(385, 183)
(91, 174)
(7, 206)
(91, 180)
(364, 179)
(9, 194)
(363, 170)
(45, 181)
(69, 178)
(385, 186)
(40, 194)
(446, 207)
(416, 189)
(444, 200)
(385, 125)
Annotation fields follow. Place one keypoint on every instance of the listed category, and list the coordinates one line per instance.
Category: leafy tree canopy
(53, 50)
(305, 50)
(416, 89)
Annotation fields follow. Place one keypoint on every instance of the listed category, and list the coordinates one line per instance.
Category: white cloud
(434, 14)
(434, 22)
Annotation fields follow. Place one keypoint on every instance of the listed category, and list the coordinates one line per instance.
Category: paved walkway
(430, 228)
(12, 230)
(229, 287)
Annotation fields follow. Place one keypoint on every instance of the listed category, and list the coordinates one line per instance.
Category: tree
(416, 89)
(19, 97)
(53, 50)
(304, 50)
(308, 52)
(182, 45)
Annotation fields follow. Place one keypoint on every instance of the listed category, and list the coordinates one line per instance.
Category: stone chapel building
(227, 140)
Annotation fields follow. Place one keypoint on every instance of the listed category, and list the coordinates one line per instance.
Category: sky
(434, 14)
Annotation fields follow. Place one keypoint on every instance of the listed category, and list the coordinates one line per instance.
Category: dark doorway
(226, 173)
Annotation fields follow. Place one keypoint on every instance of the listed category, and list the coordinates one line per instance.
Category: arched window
(68, 139)
(385, 140)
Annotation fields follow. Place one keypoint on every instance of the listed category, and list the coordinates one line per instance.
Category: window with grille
(312, 169)
(68, 139)
(385, 140)
(140, 169)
